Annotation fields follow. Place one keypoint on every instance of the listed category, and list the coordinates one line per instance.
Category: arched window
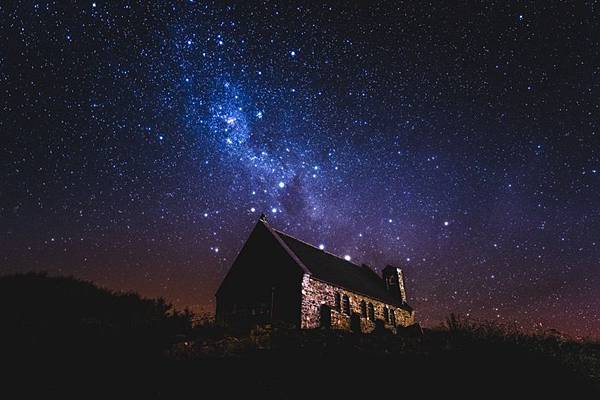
(363, 309)
(386, 315)
(393, 316)
(346, 304)
(371, 312)
(337, 301)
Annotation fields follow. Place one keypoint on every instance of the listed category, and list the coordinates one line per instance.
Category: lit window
(371, 312)
(346, 305)
(363, 309)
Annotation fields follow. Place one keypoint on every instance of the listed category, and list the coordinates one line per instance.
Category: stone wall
(316, 292)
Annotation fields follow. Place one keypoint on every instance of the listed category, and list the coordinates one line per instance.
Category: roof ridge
(337, 271)
(282, 243)
(315, 247)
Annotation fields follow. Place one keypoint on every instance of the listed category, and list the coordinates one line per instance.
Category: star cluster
(141, 142)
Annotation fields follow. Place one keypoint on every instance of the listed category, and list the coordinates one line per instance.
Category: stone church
(277, 277)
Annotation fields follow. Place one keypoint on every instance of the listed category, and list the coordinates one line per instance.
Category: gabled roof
(336, 270)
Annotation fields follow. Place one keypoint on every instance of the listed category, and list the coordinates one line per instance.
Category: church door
(325, 320)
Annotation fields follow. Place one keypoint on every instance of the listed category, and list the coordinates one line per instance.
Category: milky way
(142, 142)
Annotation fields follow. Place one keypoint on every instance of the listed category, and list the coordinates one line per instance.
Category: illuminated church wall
(316, 293)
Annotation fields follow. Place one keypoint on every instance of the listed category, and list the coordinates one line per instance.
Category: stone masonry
(315, 293)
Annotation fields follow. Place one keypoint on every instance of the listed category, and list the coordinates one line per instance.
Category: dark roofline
(276, 232)
(316, 248)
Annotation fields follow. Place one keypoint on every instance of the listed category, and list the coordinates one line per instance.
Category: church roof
(336, 270)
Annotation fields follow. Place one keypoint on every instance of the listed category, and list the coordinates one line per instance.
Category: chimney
(394, 282)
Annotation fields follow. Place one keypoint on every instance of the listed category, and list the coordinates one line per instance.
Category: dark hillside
(65, 317)
(64, 338)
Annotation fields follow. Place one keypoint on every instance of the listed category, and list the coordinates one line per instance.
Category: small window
(337, 301)
(393, 316)
(363, 309)
(386, 315)
(346, 304)
(371, 312)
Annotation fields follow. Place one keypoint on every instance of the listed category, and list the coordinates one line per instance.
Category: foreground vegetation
(64, 337)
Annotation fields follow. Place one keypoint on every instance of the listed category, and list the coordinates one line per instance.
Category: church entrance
(325, 318)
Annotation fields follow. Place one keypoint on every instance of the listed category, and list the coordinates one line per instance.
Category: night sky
(140, 144)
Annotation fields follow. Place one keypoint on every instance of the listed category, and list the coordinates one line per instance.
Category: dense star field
(141, 142)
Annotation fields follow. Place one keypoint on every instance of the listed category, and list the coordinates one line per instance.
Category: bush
(63, 317)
